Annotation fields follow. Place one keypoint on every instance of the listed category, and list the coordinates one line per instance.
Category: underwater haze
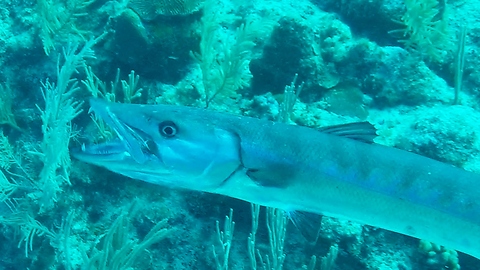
(409, 67)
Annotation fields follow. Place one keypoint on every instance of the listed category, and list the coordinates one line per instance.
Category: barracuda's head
(167, 145)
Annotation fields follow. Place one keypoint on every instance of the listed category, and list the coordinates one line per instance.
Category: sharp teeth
(83, 147)
(90, 110)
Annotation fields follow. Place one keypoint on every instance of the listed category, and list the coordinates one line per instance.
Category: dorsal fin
(360, 131)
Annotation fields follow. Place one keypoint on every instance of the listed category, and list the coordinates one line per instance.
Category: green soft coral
(57, 18)
(426, 27)
(224, 60)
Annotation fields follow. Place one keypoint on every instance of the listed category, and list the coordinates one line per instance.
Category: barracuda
(334, 171)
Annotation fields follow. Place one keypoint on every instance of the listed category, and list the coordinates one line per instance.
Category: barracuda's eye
(168, 129)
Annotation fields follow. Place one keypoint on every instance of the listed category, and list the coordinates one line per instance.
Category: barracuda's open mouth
(114, 156)
(128, 136)
(130, 142)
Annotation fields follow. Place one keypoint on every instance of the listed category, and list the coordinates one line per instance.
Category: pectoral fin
(272, 175)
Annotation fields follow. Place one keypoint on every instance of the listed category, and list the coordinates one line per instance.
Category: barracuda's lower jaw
(115, 157)
(100, 153)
